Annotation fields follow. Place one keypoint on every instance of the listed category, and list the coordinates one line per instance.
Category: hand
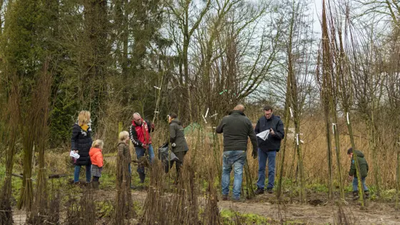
(350, 178)
(254, 154)
(152, 126)
(144, 146)
(271, 131)
(173, 145)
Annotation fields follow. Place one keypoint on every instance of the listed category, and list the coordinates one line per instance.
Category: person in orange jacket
(96, 156)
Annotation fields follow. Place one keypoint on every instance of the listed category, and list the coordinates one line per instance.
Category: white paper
(74, 155)
(348, 119)
(297, 139)
(263, 135)
(291, 112)
(333, 127)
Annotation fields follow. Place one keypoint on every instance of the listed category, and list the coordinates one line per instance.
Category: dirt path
(375, 213)
(313, 214)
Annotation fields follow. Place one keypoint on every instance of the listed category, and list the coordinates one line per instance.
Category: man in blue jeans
(268, 146)
(139, 134)
(237, 128)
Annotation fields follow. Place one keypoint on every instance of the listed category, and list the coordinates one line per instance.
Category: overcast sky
(316, 7)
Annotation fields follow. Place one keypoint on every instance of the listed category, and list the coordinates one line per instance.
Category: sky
(316, 7)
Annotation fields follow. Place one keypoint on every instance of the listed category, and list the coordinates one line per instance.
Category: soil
(326, 213)
(316, 211)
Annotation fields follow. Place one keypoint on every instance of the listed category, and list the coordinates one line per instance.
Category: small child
(363, 172)
(97, 161)
(124, 161)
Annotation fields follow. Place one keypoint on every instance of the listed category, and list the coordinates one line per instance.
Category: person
(268, 148)
(81, 142)
(124, 157)
(140, 137)
(123, 178)
(236, 129)
(362, 162)
(177, 141)
(96, 157)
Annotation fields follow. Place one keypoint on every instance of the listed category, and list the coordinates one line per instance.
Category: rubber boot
(142, 177)
(355, 195)
(366, 194)
(95, 185)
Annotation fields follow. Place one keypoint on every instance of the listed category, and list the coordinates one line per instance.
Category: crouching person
(96, 156)
(236, 128)
(362, 162)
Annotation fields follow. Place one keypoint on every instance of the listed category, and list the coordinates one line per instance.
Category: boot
(355, 195)
(95, 184)
(142, 176)
(259, 191)
(366, 194)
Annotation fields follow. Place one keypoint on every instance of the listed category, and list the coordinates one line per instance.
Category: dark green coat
(363, 165)
(177, 136)
(237, 129)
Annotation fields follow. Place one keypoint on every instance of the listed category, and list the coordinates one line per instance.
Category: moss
(232, 217)
(104, 209)
(316, 187)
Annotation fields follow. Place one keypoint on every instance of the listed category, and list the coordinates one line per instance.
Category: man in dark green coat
(237, 129)
(363, 172)
(177, 140)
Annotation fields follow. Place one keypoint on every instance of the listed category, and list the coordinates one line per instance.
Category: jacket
(362, 162)
(273, 142)
(96, 157)
(123, 151)
(177, 136)
(81, 140)
(237, 128)
(123, 172)
(140, 134)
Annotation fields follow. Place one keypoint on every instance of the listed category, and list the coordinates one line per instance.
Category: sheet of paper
(263, 135)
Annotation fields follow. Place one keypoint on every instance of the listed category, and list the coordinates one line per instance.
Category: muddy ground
(316, 211)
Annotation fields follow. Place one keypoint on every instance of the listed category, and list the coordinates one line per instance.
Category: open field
(264, 209)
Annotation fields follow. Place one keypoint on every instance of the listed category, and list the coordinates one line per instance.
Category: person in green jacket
(177, 141)
(236, 129)
(362, 162)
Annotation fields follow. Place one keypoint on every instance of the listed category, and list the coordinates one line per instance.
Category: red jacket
(96, 157)
(140, 134)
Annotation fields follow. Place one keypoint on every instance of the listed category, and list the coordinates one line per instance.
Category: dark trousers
(178, 164)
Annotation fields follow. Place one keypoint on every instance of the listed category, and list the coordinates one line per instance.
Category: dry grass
(314, 149)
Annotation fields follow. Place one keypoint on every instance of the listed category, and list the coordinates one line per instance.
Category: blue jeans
(355, 184)
(235, 159)
(140, 153)
(262, 161)
(78, 170)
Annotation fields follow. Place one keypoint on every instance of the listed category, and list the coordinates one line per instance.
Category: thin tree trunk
(326, 91)
(337, 147)
(398, 179)
(6, 192)
(287, 122)
(372, 145)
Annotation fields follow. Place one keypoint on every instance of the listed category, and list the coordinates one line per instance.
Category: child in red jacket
(97, 161)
